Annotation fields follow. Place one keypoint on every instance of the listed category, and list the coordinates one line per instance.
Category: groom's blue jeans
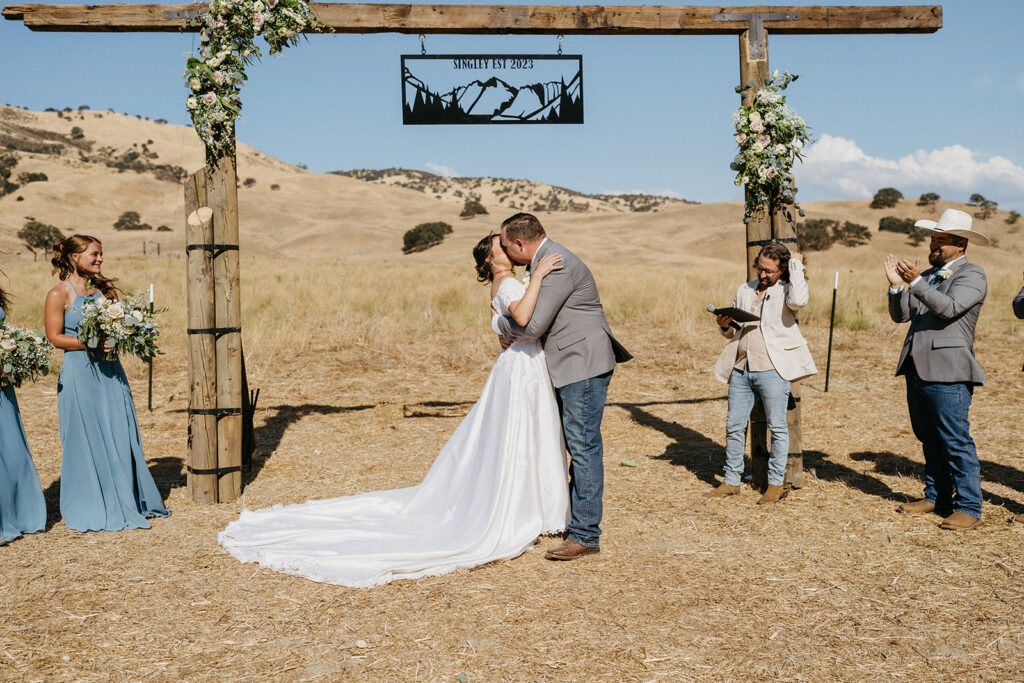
(581, 405)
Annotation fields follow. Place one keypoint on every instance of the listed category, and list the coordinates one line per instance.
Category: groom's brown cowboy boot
(570, 550)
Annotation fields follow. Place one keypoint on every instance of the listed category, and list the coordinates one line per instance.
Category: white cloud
(835, 167)
(446, 171)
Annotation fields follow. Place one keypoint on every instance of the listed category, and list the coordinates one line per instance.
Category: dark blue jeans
(582, 406)
(938, 414)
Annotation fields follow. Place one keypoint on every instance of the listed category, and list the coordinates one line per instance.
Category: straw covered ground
(364, 371)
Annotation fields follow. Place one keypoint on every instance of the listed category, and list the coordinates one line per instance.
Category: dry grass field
(366, 359)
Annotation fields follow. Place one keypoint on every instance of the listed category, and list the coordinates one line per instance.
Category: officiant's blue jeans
(938, 415)
(744, 388)
(581, 405)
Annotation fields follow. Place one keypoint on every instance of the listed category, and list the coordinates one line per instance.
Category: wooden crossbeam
(505, 19)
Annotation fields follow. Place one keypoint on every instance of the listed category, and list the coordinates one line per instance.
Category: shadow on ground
(704, 457)
(269, 435)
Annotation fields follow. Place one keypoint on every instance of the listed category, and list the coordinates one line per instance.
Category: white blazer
(786, 347)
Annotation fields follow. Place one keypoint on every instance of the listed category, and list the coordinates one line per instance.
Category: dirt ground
(831, 583)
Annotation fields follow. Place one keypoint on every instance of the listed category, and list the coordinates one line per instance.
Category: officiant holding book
(761, 359)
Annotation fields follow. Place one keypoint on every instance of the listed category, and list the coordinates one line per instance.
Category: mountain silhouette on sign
(494, 100)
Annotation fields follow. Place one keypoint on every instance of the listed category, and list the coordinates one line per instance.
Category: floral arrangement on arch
(227, 44)
(771, 137)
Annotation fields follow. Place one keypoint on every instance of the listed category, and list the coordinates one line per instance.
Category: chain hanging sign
(498, 89)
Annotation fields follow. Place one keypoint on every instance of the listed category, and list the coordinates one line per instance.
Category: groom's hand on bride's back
(504, 343)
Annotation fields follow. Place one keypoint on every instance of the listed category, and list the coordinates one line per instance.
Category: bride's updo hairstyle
(64, 266)
(482, 252)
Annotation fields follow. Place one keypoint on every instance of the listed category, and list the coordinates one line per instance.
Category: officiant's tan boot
(918, 507)
(959, 521)
(723, 490)
(772, 494)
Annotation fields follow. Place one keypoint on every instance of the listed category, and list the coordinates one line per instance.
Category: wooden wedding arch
(215, 371)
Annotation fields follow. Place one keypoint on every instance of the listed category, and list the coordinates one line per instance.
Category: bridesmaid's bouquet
(23, 355)
(127, 325)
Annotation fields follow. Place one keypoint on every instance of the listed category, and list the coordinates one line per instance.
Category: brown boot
(918, 507)
(959, 521)
(1019, 519)
(723, 490)
(570, 550)
(772, 494)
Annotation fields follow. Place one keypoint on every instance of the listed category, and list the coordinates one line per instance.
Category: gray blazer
(569, 322)
(942, 320)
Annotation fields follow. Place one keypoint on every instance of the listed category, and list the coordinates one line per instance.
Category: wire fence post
(149, 400)
(831, 327)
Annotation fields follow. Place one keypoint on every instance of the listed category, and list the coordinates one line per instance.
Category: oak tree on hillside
(886, 198)
(130, 220)
(928, 199)
(471, 208)
(986, 207)
(424, 236)
(36, 235)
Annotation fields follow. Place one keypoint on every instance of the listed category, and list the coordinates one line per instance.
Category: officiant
(761, 359)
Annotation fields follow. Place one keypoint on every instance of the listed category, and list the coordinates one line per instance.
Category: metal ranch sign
(498, 89)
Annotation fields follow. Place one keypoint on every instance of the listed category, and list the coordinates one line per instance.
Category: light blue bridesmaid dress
(22, 508)
(104, 482)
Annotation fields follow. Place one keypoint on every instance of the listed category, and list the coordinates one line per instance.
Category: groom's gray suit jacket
(942, 318)
(569, 321)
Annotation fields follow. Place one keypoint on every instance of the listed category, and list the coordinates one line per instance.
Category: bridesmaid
(22, 508)
(105, 485)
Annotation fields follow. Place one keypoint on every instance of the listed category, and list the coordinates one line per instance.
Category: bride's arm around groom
(568, 319)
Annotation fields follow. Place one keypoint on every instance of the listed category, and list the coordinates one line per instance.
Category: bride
(498, 484)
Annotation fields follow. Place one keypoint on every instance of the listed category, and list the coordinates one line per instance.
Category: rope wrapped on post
(215, 249)
(215, 331)
(219, 471)
(216, 412)
(765, 243)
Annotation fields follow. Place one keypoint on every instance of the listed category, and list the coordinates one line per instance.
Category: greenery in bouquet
(771, 137)
(128, 326)
(24, 355)
(215, 76)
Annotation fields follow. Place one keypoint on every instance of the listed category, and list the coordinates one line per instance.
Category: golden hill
(101, 164)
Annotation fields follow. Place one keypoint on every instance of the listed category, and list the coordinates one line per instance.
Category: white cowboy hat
(955, 222)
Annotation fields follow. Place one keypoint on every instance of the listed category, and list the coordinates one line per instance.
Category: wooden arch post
(215, 367)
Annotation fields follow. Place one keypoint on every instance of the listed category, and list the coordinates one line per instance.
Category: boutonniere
(944, 274)
(526, 278)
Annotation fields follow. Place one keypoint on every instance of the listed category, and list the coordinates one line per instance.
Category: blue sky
(924, 113)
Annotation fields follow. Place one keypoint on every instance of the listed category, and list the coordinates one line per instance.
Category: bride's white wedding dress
(499, 482)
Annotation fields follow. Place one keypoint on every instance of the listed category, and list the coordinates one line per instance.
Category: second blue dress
(104, 484)
(22, 508)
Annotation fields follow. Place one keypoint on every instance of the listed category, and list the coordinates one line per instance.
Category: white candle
(834, 286)
(151, 291)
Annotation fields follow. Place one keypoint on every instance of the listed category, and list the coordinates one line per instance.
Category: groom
(581, 354)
